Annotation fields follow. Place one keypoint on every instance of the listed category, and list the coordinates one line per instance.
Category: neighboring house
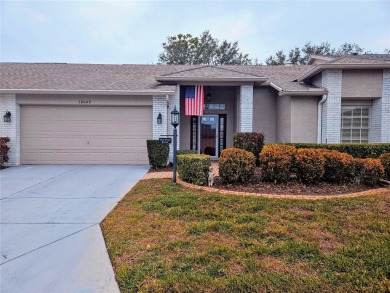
(103, 114)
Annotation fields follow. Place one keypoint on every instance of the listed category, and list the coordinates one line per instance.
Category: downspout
(319, 119)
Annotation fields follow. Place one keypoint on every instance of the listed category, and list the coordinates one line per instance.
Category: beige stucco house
(103, 114)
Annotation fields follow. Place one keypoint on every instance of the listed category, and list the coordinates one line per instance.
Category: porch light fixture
(175, 120)
(7, 117)
(159, 118)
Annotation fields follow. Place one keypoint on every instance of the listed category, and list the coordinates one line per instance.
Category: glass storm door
(208, 135)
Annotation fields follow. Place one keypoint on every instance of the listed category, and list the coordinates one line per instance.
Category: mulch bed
(291, 187)
(165, 169)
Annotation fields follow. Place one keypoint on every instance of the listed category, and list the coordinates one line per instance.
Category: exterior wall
(12, 129)
(220, 95)
(264, 112)
(304, 119)
(331, 109)
(317, 80)
(159, 107)
(362, 83)
(246, 108)
(385, 107)
(283, 116)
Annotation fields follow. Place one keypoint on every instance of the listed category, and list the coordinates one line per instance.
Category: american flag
(194, 100)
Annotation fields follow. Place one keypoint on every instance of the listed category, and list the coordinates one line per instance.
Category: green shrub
(194, 168)
(385, 160)
(355, 150)
(250, 141)
(368, 171)
(276, 162)
(236, 165)
(186, 152)
(310, 165)
(157, 153)
(339, 167)
(4, 149)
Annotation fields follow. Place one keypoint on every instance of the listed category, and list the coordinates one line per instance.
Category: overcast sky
(132, 32)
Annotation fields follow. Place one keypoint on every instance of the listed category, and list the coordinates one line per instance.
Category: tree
(302, 55)
(205, 49)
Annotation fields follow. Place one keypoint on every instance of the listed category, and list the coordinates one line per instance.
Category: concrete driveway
(50, 235)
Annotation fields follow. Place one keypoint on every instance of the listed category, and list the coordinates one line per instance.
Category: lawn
(167, 238)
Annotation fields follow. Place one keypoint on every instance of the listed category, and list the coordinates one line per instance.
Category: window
(355, 124)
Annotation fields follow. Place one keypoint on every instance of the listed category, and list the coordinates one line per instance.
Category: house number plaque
(84, 102)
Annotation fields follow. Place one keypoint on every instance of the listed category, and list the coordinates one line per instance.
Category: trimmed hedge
(385, 160)
(4, 149)
(355, 150)
(276, 162)
(157, 153)
(250, 141)
(368, 171)
(339, 167)
(310, 165)
(186, 152)
(194, 168)
(236, 165)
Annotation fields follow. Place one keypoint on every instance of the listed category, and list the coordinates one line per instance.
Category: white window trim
(369, 122)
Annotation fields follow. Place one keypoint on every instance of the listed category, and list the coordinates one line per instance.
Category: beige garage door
(85, 135)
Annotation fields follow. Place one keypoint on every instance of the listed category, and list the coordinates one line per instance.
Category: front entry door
(208, 135)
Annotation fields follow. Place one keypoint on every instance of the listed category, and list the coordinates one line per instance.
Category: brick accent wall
(159, 106)
(11, 130)
(331, 109)
(246, 108)
(385, 105)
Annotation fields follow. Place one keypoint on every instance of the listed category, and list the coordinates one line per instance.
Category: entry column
(246, 108)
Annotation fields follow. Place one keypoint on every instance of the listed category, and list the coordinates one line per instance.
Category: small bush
(368, 171)
(371, 150)
(186, 152)
(250, 141)
(338, 166)
(194, 168)
(310, 165)
(385, 160)
(236, 165)
(4, 149)
(276, 162)
(157, 153)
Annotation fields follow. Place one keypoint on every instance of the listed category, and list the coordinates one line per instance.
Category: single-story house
(103, 114)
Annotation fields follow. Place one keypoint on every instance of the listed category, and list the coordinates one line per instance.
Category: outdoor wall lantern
(7, 116)
(175, 120)
(159, 118)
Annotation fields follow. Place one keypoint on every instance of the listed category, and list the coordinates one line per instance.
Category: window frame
(351, 128)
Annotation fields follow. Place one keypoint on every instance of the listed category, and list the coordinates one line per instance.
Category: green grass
(166, 238)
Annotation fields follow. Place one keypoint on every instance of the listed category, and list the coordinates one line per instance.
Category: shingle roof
(362, 59)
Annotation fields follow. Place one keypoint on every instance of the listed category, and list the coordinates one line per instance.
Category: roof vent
(355, 54)
(288, 64)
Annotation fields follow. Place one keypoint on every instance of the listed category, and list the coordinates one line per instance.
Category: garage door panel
(85, 135)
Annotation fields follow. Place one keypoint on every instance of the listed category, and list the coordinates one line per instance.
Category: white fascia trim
(278, 88)
(86, 92)
(241, 79)
(304, 93)
(321, 67)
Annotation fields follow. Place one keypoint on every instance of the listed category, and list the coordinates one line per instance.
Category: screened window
(355, 124)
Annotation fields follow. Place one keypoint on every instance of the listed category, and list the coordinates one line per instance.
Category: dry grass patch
(166, 238)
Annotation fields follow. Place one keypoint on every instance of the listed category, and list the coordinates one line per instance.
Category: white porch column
(174, 101)
(12, 129)
(246, 109)
(331, 109)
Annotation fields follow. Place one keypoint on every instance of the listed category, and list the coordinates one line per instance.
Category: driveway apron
(50, 235)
